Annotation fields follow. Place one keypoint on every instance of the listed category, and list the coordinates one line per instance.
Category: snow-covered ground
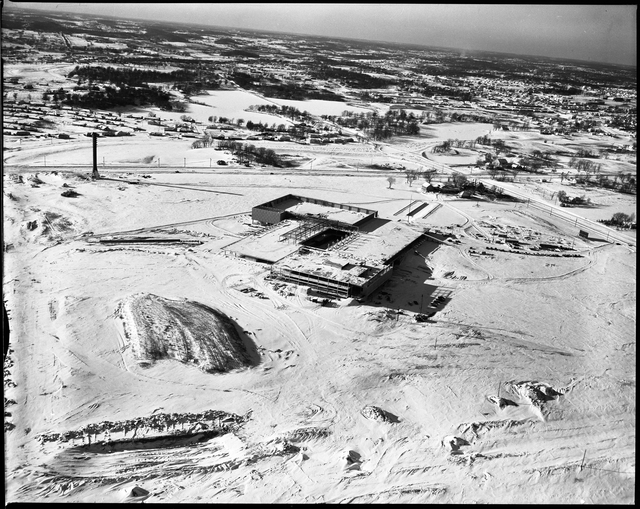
(550, 339)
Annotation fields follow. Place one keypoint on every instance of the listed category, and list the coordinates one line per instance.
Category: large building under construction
(337, 250)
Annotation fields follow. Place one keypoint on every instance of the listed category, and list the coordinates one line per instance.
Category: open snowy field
(232, 104)
(321, 107)
(521, 388)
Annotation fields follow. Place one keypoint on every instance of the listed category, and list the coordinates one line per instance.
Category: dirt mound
(304, 434)
(377, 414)
(154, 427)
(186, 331)
(536, 393)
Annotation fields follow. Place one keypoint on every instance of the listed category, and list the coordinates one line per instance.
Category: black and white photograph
(319, 253)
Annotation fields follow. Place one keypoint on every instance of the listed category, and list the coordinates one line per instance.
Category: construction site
(336, 250)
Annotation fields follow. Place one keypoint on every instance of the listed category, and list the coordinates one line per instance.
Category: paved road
(603, 231)
(580, 222)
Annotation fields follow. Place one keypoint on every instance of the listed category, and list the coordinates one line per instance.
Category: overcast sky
(601, 33)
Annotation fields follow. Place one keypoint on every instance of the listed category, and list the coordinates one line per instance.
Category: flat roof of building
(330, 265)
(266, 245)
(319, 209)
(314, 210)
(382, 243)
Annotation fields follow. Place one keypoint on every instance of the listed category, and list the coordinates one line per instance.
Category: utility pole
(582, 462)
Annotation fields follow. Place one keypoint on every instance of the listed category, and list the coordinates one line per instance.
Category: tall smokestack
(95, 174)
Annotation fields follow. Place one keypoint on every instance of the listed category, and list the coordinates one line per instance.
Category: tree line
(245, 152)
(189, 82)
(379, 127)
(286, 111)
(351, 78)
(110, 97)
(280, 90)
(129, 76)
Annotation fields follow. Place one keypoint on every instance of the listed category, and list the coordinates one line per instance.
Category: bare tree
(427, 175)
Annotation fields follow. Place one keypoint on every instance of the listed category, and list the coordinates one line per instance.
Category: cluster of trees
(584, 165)
(129, 76)
(279, 90)
(426, 174)
(497, 173)
(110, 97)
(375, 98)
(187, 81)
(620, 219)
(392, 123)
(438, 116)
(260, 127)
(452, 92)
(352, 79)
(243, 151)
(285, 111)
(538, 160)
(624, 183)
(297, 131)
(625, 122)
(444, 147)
(447, 145)
(250, 125)
(205, 142)
(511, 125)
(560, 90)
(564, 198)
(53, 95)
(498, 145)
(412, 175)
(583, 152)
(247, 152)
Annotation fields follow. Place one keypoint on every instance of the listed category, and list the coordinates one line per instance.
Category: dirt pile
(537, 394)
(186, 331)
(157, 425)
(375, 413)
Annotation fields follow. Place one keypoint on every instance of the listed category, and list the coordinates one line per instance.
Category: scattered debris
(501, 402)
(454, 443)
(352, 460)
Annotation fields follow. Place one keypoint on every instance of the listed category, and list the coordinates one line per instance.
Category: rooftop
(266, 245)
(330, 265)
